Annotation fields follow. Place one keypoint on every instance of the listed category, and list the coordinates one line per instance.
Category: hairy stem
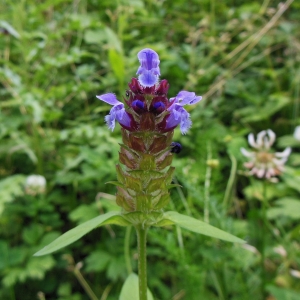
(142, 263)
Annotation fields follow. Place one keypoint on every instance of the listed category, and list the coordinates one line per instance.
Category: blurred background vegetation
(56, 55)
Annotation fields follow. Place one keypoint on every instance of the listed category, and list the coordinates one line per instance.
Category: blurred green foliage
(55, 56)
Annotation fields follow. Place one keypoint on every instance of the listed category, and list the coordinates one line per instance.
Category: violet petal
(149, 70)
(109, 98)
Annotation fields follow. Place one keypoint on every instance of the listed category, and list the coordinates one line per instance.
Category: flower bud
(213, 163)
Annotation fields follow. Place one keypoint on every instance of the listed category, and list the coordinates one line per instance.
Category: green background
(243, 57)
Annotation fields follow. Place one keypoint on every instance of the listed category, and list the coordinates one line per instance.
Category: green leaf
(113, 40)
(283, 294)
(130, 289)
(116, 61)
(286, 206)
(287, 141)
(95, 36)
(116, 268)
(292, 178)
(275, 103)
(83, 213)
(35, 268)
(76, 233)
(10, 188)
(200, 227)
(32, 234)
(97, 261)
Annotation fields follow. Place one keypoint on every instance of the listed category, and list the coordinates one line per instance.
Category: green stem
(263, 241)
(207, 186)
(84, 284)
(180, 241)
(12, 293)
(127, 249)
(38, 150)
(142, 263)
(182, 197)
(212, 16)
(230, 181)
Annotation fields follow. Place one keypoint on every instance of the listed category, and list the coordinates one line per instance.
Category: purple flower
(149, 70)
(186, 98)
(147, 106)
(178, 115)
(116, 113)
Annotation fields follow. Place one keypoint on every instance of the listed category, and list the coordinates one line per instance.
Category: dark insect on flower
(176, 147)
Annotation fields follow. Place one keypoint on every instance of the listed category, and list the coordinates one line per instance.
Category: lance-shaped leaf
(76, 233)
(189, 223)
(130, 289)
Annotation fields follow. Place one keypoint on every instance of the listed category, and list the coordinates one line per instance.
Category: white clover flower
(263, 162)
(280, 250)
(297, 133)
(295, 273)
(35, 184)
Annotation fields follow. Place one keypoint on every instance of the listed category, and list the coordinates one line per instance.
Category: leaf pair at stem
(152, 219)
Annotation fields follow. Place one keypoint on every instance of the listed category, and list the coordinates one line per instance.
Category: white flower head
(263, 163)
(297, 133)
(35, 184)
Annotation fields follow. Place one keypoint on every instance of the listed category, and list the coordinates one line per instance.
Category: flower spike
(148, 119)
